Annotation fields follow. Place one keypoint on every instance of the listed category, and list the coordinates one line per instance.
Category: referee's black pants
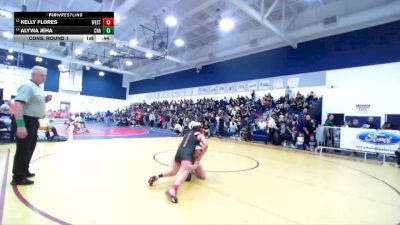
(25, 149)
(398, 157)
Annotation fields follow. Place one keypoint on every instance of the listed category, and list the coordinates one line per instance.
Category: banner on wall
(204, 90)
(369, 140)
(278, 83)
(264, 84)
(195, 91)
(213, 90)
(231, 88)
(188, 91)
(241, 87)
(221, 89)
(363, 108)
(252, 85)
(293, 82)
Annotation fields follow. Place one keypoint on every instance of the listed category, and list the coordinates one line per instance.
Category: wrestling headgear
(194, 126)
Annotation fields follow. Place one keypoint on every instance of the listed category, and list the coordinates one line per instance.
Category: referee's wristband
(20, 123)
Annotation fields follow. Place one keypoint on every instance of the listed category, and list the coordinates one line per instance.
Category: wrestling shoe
(171, 196)
(152, 180)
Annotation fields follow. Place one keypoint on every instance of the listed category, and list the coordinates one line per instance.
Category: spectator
(328, 130)
(397, 153)
(371, 123)
(5, 109)
(271, 129)
(178, 129)
(51, 128)
(288, 92)
(221, 124)
(330, 121)
(308, 131)
(312, 143)
(387, 126)
(152, 119)
(300, 141)
(108, 117)
(232, 128)
(354, 123)
(206, 127)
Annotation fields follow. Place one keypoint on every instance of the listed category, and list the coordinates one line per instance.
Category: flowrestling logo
(379, 137)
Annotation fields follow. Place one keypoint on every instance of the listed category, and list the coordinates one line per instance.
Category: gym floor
(104, 181)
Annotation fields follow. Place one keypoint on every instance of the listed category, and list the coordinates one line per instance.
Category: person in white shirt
(262, 124)
(232, 128)
(271, 127)
(178, 128)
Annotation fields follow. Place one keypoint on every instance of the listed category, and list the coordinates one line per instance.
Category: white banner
(263, 84)
(252, 85)
(369, 140)
(230, 88)
(188, 91)
(204, 90)
(195, 91)
(241, 87)
(213, 90)
(221, 89)
(293, 82)
(278, 83)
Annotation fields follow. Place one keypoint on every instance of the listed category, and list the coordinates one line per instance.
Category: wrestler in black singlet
(187, 147)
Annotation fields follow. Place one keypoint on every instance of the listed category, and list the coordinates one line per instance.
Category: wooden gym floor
(105, 182)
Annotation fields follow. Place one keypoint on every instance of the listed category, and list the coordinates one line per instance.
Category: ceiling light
(10, 57)
(149, 55)
(88, 68)
(117, 18)
(97, 62)
(226, 24)
(101, 73)
(10, 50)
(179, 42)
(5, 13)
(60, 66)
(129, 63)
(7, 34)
(113, 53)
(42, 50)
(78, 51)
(171, 21)
(39, 59)
(133, 42)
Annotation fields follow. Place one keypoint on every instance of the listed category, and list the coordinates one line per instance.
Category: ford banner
(369, 140)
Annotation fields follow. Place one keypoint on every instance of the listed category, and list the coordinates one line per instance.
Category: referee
(29, 108)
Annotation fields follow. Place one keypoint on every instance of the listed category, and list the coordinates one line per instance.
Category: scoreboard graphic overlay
(64, 26)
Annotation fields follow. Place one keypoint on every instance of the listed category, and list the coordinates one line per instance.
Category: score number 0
(108, 22)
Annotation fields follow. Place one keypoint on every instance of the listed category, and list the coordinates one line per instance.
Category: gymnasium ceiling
(259, 25)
